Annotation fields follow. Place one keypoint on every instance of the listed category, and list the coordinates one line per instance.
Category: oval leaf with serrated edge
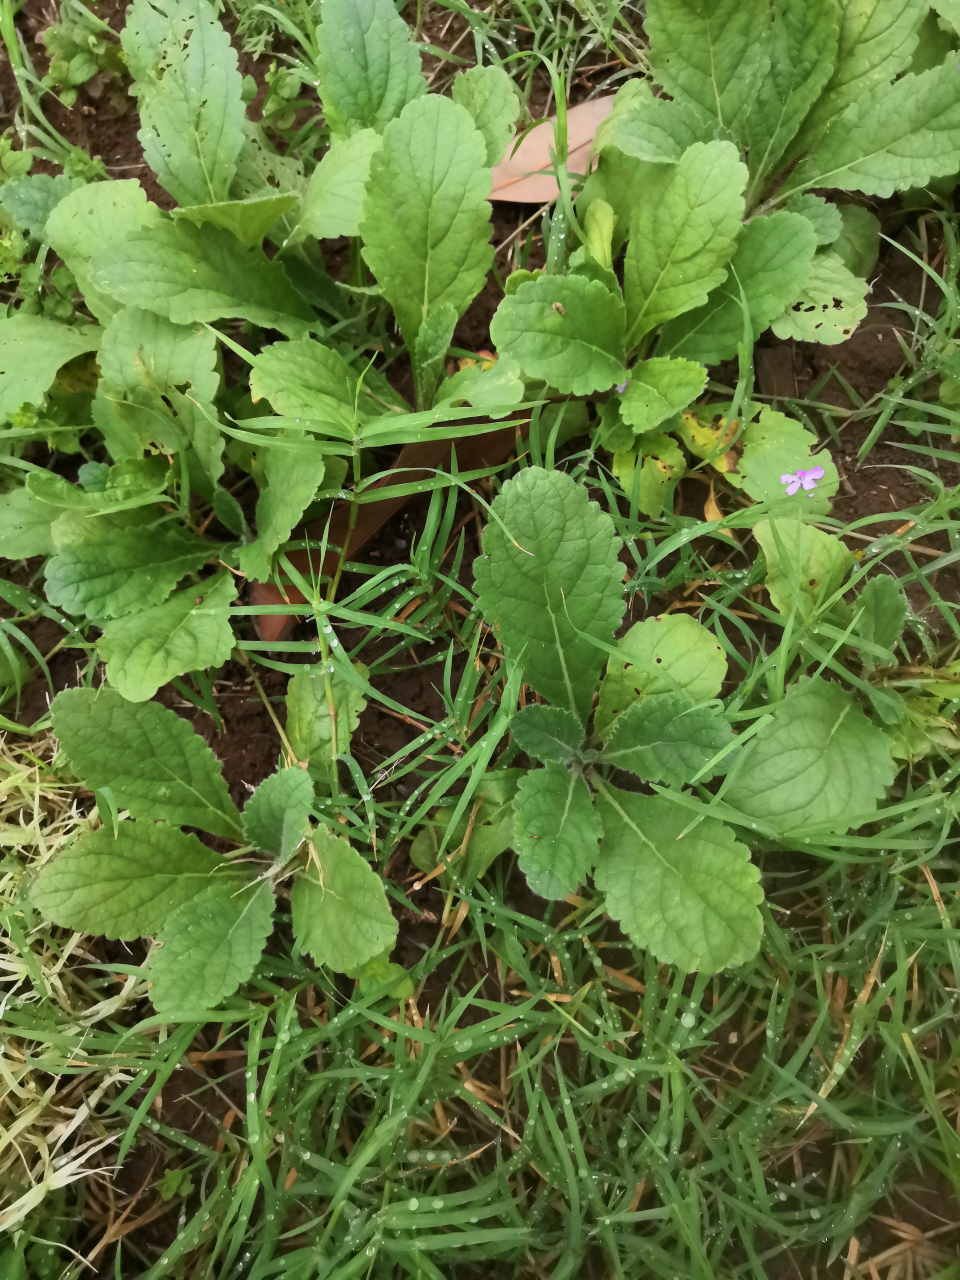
(275, 816)
(658, 389)
(426, 220)
(547, 733)
(309, 727)
(821, 765)
(189, 632)
(556, 831)
(770, 267)
(667, 737)
(565, 330)
(693, 901)
(293, 475)
(332, 204)
(550, 582)
(682, 235)
(127, 885)
(805, 567)
(150, 758)
(209, 946)
(369, 66)
(661, 655)
(829, 306)
(306, 379)
(775, 446)
(488, 94)
(881, 612)
(113, 571)
(340, 910)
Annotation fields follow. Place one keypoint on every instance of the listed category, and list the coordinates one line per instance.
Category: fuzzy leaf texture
(306, 379)
(658, 389)
(104, 569)
(426, 220)
(682, 234)
(643, 127)
(333, 201)
(819, 766)
(882, 607)
(670, 654)
(566, 330)
(369, 67)
(188, 273)
(488, 94)
(210, 945)
(710, 55)
(550, 583)
(309, 727)
(275, 816)
(769, 269)
(777, 445)
(898, 136)
(547, 733)
(667, 738)
(693, 902)
(149, 757)
(127, 885)
(188, 89)
(189, 632)
(556, 831)
(293, 469)
(341, 915)
(803, 55)
(829, 306)
(249, 220)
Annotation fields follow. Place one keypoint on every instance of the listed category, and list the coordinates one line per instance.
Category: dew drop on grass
(436, 1204)
(370, 1251)
(688, 1020)
(413, 1205)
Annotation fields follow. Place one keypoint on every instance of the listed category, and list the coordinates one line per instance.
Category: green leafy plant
(210, 913)
(81, 48)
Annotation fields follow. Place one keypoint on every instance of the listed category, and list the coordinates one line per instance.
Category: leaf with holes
(829, 306)
(805, 567)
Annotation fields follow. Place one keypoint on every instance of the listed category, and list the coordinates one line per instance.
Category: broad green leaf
(488, 94)
(858, 243)
(896, 136)
(547, 733)
(189, 273)
(619, 181)
(877, 41)
(805, 566)
(829, 306)
(249, 220)
(426, 220)
(692, 901)
(682, 234)
(500, 385)
(565, 330)
(188, 632)
(667, 737)
(92, 220)
(126, 885)
(333, 201)
(149, 757)
(556, 831)
(293, 475)
(819, 765)
(658, 389)
(340, 910)
(377, 973)
(32, 349)
(599, 223)
(479, 837)
(105, 570)
(309, 722)
(31, 200)
(188, 89)
(661, 463)
(710, 54)
(949, 11)
(275, 816)
(771, 265)
(369, 67)
(305, 379)
(882, 610)
(823, 216)
(673, 653)
(210, 945)
(803, 54)
(25, 525)
(430, 350)
(647, 128)
(200, 425)
(144, 356)
(550, 584)
(777, 445)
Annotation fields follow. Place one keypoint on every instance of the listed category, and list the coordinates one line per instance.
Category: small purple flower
(802, 480)
(621, 386)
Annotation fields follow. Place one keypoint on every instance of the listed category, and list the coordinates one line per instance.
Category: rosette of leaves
(618, 790)
(708, 199)
(134, 378)
(209, 913)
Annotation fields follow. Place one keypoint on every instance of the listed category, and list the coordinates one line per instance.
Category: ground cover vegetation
(588, 907)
